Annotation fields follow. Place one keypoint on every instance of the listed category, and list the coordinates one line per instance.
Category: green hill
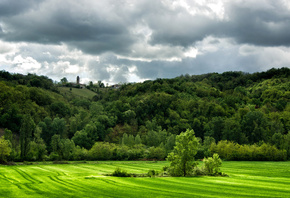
(235, 106)
(76, 92)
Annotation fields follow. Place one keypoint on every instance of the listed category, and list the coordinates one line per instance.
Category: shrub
(120, 173)
(152, 173)
(198, 171)
(135, 153)
(164, 171)
(54, 156)
(121, 153)
(212, 165)
(80, 153)
(102, 151)
(228, 150)
(157, 153)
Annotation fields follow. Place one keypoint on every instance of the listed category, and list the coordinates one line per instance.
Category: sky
(118, 41)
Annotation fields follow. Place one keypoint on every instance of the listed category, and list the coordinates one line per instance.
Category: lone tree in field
(181, 159)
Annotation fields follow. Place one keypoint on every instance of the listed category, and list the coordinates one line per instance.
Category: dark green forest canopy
(236, 106)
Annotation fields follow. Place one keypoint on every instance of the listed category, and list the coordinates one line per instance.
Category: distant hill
(235, 106)
(76, 92)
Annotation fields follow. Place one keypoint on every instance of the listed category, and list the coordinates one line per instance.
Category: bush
(121, 153)
(198, 172)
(228, 150)
(164, 171)
(102, 151)
(135, 153)
(120, 173)
(157, 153)
(54, 156)
(80, 153)
(212, 165)
(152, 173)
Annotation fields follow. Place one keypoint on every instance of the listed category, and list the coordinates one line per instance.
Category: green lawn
(83, 93)
(246, 179)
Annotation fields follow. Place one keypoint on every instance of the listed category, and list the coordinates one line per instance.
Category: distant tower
(78, 80)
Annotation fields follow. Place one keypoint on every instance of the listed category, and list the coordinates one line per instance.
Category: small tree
(37, 147)
(64, 81)
(27, 127)
(5, 149)
(181, 159)
(212, 165)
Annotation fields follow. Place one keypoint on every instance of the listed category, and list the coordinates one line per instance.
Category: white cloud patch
(6, 48)
(25, 64)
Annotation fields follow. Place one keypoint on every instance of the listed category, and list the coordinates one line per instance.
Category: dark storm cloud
(87, 28)
(217, 61)
(106, 39)
(183, 31)
(105, 26)
(15, 7)
(179, 27)
(265, 24)
(97, 71)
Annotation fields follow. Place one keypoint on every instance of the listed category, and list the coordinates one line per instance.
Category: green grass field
(82, 93)
(246, 179)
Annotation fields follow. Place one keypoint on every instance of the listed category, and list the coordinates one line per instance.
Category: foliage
(212, 165)
(37, 147)
(61, 148)
(79, 153)
(182, 158)
(232, 151)
(152, 173)
(81, 139)
(235, 106)
(5, 149)
(101, 151)
(118, 172)
(27, 127)
(157, 153)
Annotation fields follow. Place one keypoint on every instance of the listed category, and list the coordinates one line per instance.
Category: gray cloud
(264, 23)
(15, 7)
(104, 26)
(102, 40)
(259, 24)
(72, 23)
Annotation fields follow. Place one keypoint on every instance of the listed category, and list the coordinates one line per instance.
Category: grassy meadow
(246, 179)
(83, 93)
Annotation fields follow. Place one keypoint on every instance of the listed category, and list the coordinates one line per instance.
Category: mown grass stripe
(133, 189)
(70, 180)
(26, 176)
(157, 185)
(63, 178)
(7, 179)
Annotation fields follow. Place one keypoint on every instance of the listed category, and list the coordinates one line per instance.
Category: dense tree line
(141, 120)
(30, 80)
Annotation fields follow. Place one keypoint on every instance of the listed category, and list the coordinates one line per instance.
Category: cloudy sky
(135, 40)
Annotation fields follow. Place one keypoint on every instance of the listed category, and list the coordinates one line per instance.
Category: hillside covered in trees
(239, 115)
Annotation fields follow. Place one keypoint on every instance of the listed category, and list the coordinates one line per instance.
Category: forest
(240, 116)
